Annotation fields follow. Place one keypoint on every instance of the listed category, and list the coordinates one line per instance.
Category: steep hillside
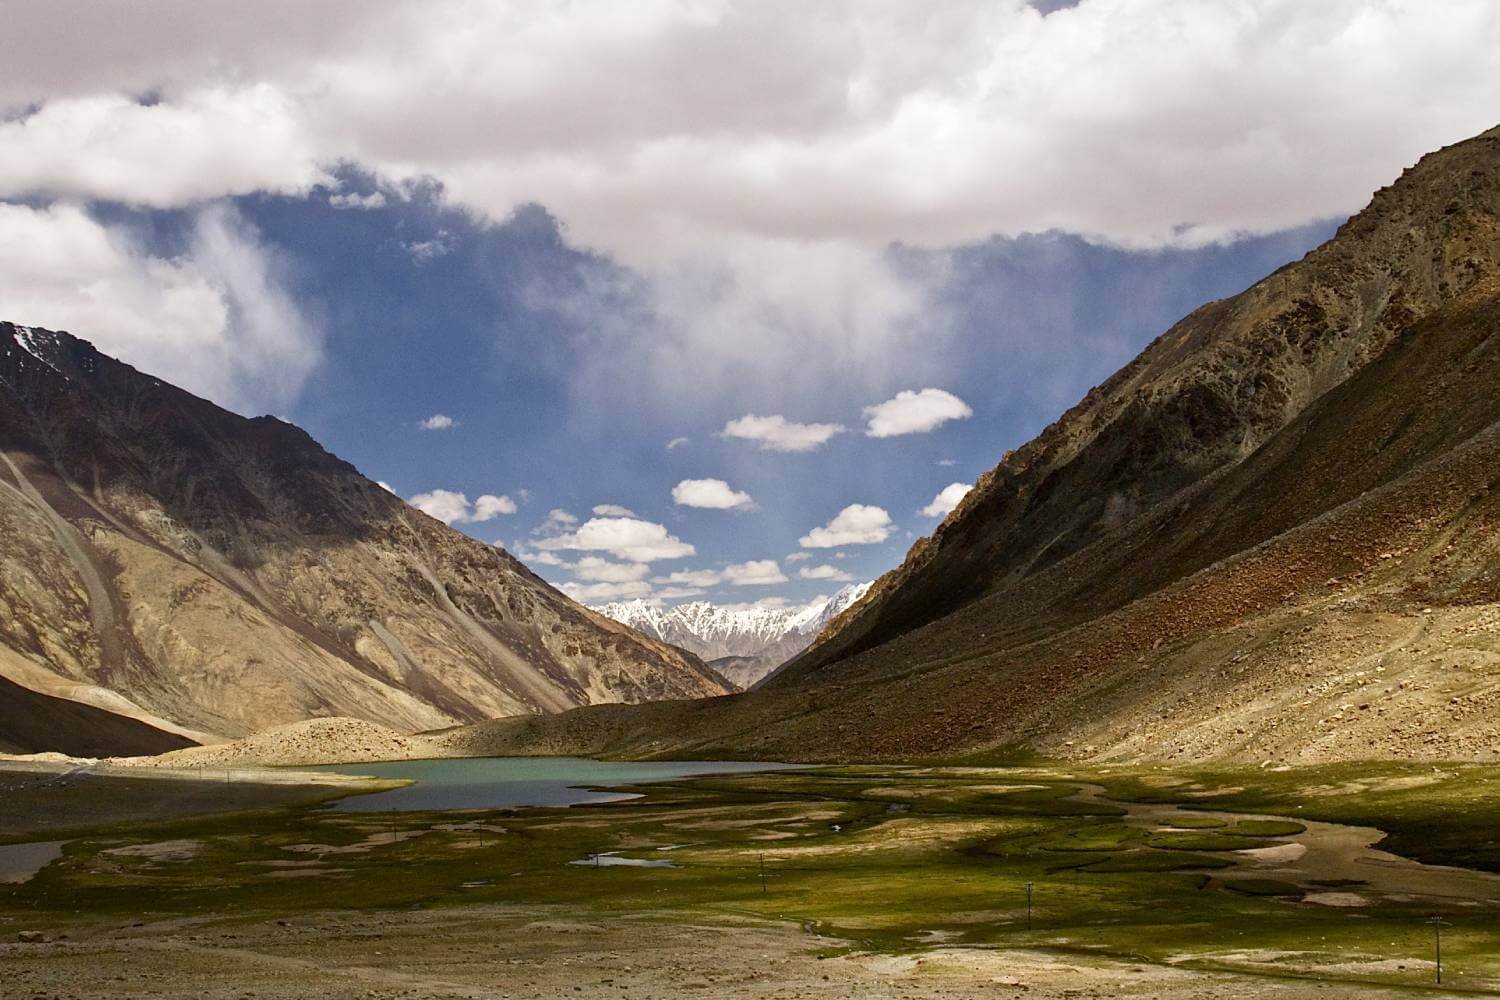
(747, 642)
(1273, 535)
(206, 575)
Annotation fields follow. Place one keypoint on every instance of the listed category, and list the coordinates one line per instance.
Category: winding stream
(1323, 853)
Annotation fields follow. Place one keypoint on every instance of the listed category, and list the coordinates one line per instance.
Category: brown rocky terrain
(1275, 535)
(171, 572)
(517, 951)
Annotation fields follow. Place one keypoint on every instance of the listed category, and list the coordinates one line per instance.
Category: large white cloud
(856, 524)
(910, 412)
(203, 144)
(216, 320)
(881, 120)
(756, 198)
(711, 494)
(626, 538)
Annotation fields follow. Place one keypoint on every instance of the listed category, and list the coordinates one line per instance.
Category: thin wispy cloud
(353, 199)
(613, 510)
(824, 572)
(755, 573)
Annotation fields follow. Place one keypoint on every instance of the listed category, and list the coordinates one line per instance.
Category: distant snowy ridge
(752, 641)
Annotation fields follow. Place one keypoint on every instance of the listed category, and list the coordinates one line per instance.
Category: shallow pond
(502, 782)
(612, 859)
(18, 862)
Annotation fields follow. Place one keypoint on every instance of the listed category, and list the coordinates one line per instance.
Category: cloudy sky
(689, 297)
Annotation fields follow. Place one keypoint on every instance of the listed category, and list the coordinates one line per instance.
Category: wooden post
(763, 889)
(1437, 945)
(1028, 906)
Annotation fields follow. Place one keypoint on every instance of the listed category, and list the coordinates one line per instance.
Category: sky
(686, 299)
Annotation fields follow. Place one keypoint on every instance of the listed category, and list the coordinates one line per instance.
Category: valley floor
(848, 881)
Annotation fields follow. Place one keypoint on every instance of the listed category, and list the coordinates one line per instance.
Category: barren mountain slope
(1274, 534)
(1203, 397)
(172, 562)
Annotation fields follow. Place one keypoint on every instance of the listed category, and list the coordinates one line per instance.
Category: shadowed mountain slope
(171, 562)
(1273, 534)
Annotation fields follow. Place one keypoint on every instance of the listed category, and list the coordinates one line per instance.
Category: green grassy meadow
(886, 858)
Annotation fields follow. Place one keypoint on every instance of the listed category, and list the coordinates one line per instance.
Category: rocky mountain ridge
(1274, 536)
(184, 573)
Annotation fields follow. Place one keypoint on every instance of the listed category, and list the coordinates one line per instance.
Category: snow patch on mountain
(758, 638)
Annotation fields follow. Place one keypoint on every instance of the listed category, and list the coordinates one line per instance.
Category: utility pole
(1028, 906)
(1437, 945)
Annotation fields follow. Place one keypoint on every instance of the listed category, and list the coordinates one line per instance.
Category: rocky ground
(316, 741)
(528, 951)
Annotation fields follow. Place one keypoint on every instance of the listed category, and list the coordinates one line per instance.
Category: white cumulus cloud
(942, 505)
(453, 507)
(711, 494)
(438, 422)
(626, 538)
(777, 433)
(489, 506)
(856, 524)
(914, 413)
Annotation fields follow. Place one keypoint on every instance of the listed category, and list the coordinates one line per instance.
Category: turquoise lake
(512, 782)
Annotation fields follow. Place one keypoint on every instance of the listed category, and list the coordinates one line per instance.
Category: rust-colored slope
(1200, 399)
(1276, 534)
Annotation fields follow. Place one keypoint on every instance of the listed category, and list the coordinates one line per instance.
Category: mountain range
(1273, 536)
(171, 572)
(744, 643)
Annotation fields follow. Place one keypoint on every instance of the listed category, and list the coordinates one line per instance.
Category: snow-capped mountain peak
(758, 637)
